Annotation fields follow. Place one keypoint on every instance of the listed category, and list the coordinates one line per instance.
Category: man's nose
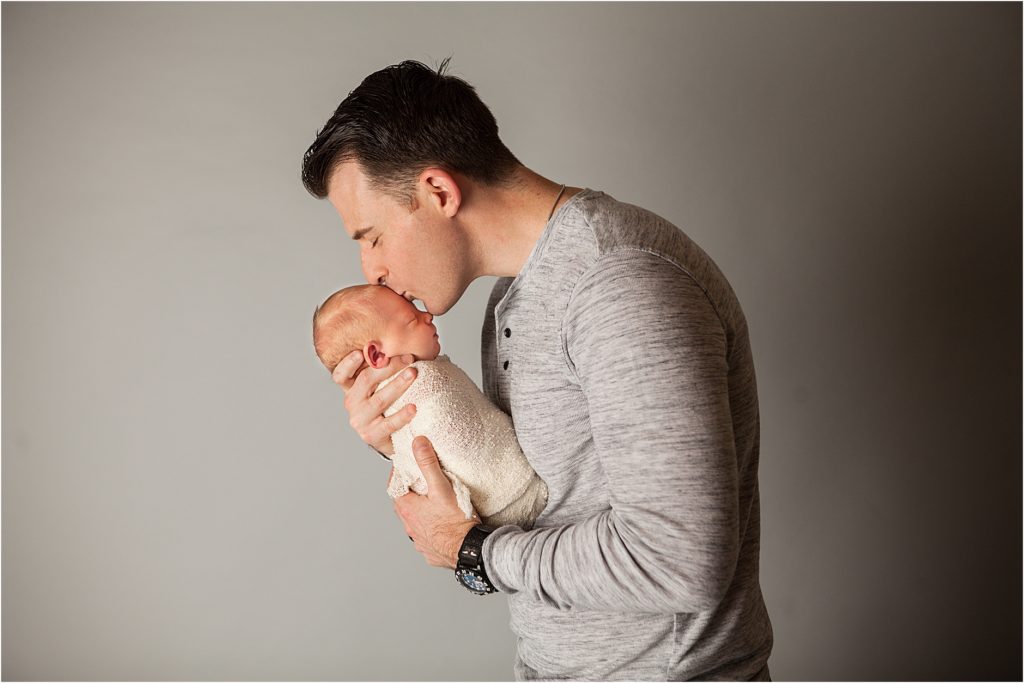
(374, 274)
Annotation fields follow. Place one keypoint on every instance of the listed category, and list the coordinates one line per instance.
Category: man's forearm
(605, 563)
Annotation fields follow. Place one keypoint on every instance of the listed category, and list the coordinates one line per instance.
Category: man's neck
(504, 223)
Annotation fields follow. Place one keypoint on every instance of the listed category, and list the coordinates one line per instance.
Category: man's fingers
(344, 371)
(386, 426)
(366, 382)
(385, 396)
(366, 407)
(368, 412)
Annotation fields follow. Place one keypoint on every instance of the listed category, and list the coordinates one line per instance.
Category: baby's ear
(375, 354)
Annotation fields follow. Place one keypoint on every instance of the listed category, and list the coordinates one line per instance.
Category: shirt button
(505, 365)
(508, 332)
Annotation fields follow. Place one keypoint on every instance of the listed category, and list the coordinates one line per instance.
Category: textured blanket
(475, 445)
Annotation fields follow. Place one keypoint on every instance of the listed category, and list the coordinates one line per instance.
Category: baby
(474, 440)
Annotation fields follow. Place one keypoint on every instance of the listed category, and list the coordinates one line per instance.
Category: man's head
(376, 321)
(395, 159)
(403, 119)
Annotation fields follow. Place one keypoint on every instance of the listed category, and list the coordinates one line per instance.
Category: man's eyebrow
(358, 234)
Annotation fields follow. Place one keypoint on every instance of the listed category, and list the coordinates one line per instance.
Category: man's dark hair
(402, 119)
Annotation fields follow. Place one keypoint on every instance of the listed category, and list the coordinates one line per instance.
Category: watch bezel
(479, 577)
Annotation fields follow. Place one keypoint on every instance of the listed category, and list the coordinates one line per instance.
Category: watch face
(472, 581)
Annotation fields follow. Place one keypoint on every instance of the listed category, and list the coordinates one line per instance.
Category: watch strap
(471, 556)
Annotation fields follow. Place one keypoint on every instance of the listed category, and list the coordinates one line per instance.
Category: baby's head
(375, 320)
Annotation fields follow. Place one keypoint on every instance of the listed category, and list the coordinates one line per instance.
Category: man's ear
(441, 190)
(375, 355)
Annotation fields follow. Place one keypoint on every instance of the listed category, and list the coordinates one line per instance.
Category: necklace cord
(556, 202)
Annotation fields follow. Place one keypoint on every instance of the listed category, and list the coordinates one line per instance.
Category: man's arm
(649, 351)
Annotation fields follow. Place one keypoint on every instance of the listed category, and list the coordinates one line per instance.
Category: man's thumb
(428, 463)
(430, 466)
(424, 452)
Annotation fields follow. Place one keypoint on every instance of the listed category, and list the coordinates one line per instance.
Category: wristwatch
(470, 570)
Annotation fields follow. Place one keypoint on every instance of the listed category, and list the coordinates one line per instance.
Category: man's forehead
(346, 177)
(346, 190)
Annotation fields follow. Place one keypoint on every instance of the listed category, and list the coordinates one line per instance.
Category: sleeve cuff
(493, 557)
(379, 453)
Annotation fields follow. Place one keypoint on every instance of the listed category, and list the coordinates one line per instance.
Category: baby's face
(407, 329)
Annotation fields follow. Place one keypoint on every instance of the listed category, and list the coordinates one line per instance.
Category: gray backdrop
(182, 495)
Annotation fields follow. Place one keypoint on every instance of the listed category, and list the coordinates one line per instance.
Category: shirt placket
(503, 344)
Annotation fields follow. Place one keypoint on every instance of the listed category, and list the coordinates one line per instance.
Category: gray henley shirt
(622, 355)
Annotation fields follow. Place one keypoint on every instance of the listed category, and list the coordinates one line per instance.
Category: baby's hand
(366, 405)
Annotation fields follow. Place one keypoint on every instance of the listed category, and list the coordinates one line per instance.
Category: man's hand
(366, 405)
(434, 522)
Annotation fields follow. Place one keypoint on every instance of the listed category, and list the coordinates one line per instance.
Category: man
(622, 355)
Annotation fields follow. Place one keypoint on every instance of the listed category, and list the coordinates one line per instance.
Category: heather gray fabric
(621, 353)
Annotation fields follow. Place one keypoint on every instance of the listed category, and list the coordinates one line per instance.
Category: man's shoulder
(626, 236)
(621, 226)
(593, 231)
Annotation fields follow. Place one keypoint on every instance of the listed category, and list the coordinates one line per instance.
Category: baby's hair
(344, 322)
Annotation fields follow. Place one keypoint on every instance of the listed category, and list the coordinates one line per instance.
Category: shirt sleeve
(650, 355)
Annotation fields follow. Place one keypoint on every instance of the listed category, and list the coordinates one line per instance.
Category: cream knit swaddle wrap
(475, 445)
